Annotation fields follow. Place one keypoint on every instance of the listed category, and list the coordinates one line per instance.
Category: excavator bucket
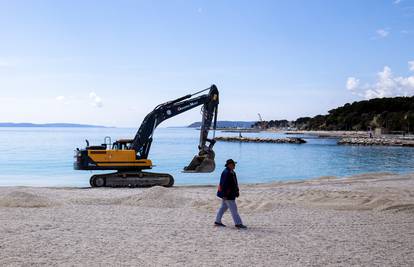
(203, 162)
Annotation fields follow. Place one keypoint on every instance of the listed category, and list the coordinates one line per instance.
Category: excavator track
(131, 179)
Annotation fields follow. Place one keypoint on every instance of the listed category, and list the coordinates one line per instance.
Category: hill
(392, 114)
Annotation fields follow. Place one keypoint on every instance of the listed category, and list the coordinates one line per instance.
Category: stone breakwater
(377, 141)
(288, 140)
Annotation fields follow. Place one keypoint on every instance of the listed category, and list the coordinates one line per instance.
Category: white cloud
(96, 100)
(411, 65)
(396, 2)
(60, 98)
(387, 84)
(382, 33)
(352, 83)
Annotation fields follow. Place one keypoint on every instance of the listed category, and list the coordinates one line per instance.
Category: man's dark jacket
(228, 187)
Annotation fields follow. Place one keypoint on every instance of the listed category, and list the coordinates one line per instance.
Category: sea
(44, 156)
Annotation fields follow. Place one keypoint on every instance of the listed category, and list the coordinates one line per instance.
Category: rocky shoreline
(329, 134)
(376, 141)
(232, 130)
(288, 140)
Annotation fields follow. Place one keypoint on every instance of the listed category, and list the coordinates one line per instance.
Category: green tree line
(392, 114)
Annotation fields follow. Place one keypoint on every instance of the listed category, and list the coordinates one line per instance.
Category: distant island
(67, 125)
(393, 114)
(227, 124)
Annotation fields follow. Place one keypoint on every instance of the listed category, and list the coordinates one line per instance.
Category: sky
(111, 62)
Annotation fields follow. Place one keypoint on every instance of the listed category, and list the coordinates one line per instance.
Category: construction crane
(261, 124)
(129, 157)
(260, 117)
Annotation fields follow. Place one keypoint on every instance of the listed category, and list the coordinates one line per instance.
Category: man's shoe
(241, 226)
(219, 224)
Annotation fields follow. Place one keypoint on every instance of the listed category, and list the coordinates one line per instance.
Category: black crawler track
(132, 179)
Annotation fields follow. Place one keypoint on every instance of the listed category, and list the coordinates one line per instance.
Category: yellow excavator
(129, 157)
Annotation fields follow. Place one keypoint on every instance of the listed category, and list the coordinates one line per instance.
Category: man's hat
(230, 161)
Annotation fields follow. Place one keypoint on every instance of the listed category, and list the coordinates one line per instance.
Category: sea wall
(288, 140)
(379, 141)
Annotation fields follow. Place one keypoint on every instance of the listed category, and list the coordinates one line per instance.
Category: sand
(365, 220)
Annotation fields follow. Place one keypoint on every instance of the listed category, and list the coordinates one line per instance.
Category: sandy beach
(365, 220)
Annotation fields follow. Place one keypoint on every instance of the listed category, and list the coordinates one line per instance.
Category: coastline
(331, 134)
(355, 220)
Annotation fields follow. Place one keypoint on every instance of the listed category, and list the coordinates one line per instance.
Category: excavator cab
(122, 144)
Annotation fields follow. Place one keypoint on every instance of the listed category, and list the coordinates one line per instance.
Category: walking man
(228, 191)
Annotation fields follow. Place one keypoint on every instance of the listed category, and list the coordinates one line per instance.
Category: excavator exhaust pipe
(202, 163)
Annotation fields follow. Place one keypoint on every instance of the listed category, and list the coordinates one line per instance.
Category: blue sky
(111, 62)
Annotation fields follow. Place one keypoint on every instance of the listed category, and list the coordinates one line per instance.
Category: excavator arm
(204, 161)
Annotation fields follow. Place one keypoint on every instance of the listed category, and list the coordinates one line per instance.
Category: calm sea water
(44, 156)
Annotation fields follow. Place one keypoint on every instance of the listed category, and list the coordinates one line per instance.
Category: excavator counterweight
(129, 157)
